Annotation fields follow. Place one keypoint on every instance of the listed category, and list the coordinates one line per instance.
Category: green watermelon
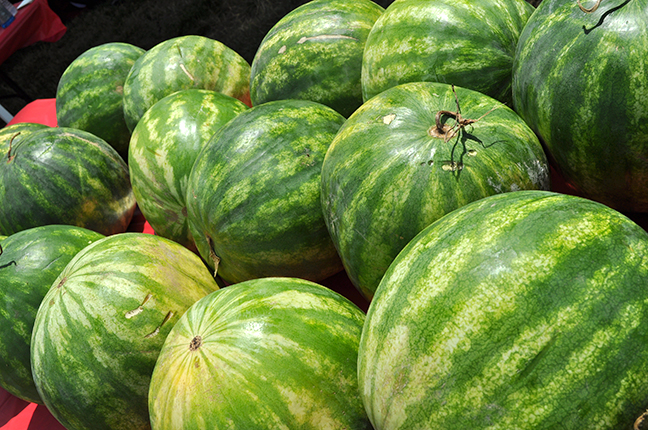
(271, 353)
(523, 310)
(30, 261)
(100, 328)
(460, 42)
(579, 81)
(182, 63)
(64, 176)
(90, 93)
(253, 196)
(392, 170)
(315, 53)
(163, 149)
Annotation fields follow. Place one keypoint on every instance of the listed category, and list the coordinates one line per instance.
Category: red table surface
(35, 22)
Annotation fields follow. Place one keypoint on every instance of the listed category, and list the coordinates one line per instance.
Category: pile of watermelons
(412, 149)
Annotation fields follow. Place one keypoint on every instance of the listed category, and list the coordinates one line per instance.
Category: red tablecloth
(35, 22)
(17, 414)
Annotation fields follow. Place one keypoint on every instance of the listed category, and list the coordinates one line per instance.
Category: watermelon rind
(62, 175)
(163, 149)
(389, 172)
(271, 353)
(522, 310)
(461, 42)
(12, 134)
(182, 63)
(315, 53)
(100, 327)
(30, 261)
(90, 92)
(579, 81)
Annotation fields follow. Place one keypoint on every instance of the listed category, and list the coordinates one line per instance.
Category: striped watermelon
(390, 171)
(89, 95)
(182, 63)
(315, 53)
(521, 311)
(64, 176)
(461, 42)
(580, 82)
(30, 261)
(163, 148)
(100, 327)
(272, 353)
(253, 197)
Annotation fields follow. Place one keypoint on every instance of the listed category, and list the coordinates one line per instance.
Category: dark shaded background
(239, 24)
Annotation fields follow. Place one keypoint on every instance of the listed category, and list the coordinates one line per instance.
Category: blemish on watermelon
(196, 343)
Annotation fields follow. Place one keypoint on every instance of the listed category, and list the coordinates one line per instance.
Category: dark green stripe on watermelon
(253, 197)
(64, 176)
(315, 53)
(182, 63)
(460, 42)
(90, 93)
(30, 261)
(522, 310)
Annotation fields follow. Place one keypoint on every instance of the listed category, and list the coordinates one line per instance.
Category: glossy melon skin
(459, 42)
(522, 310)
(389, 173)
(100, 327)
(163, 149)
(315, 53)
(270, 353)
(182, 63)
(30, 261)
(61, 175)
(90, 92)
(579, 81)
(253, 198)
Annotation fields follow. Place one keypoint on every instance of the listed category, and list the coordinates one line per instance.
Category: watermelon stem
(212, 255)
(9, 263)
(460, 122)
(590, 10)
(9, 156)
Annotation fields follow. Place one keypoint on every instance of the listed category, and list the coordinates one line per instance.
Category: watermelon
(270, 353)
(64, 176)
(182, 63)
(90, 92)
(461, 42)
(253, 196)
(101, 325)
(579, 81)
(392, 170)
(315, 53)
(522, 310)
(163, 149)
(30, 261)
